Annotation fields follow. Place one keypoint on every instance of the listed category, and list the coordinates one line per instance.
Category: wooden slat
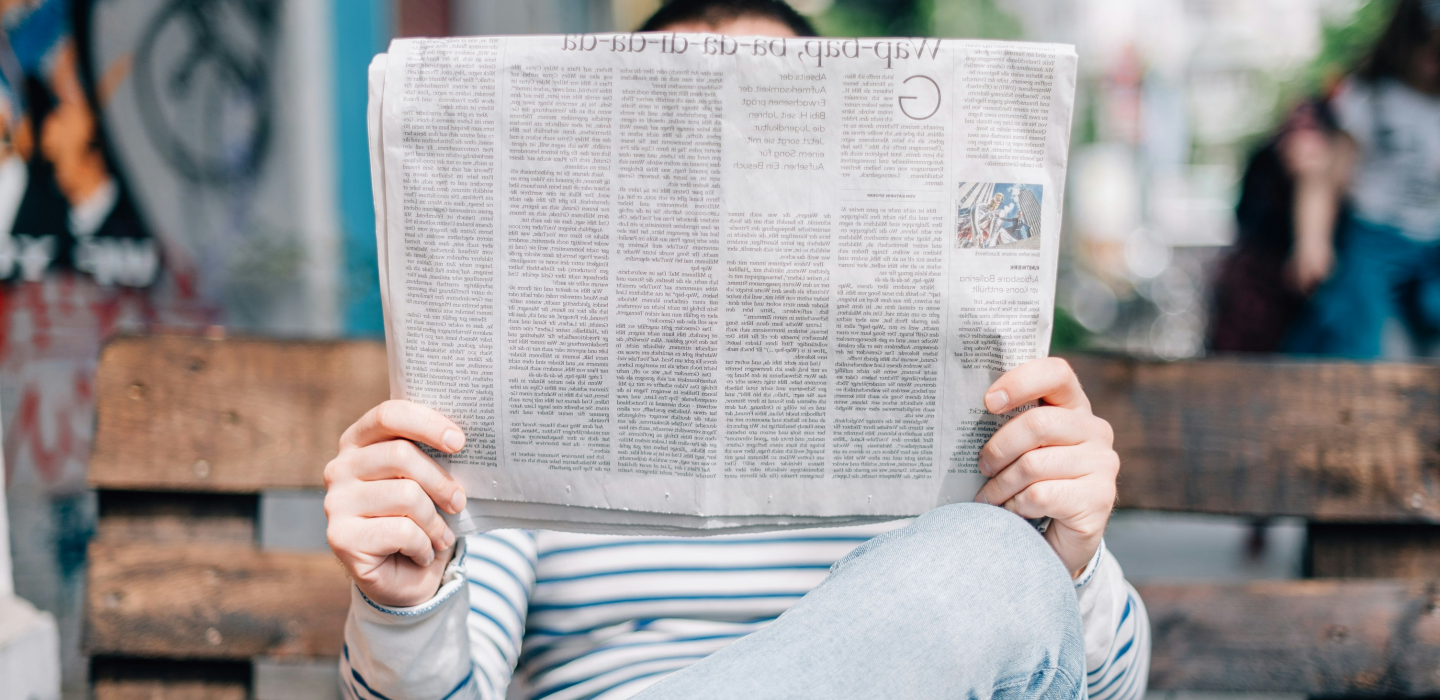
(1328, 441)
(1326, 638)
(1373, 551)
(193, 414)
(154, 689)
(149, 516)
(1353, 638)
(156, 679)
(212, 600)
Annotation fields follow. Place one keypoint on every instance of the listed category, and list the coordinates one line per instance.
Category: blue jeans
(1379, 275)
(968, 601)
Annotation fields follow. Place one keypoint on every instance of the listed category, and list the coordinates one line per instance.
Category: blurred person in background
(1384, 265)
(1257, 295)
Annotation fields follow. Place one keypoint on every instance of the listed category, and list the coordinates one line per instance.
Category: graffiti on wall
(136, 178)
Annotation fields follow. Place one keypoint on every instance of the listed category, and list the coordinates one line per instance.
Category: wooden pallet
(190, 430)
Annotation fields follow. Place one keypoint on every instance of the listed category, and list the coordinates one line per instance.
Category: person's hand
(1053, 460)
(1317, 161)
(381, 492)
(1309, 265)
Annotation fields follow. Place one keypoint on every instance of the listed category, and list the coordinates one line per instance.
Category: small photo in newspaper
(998, 215)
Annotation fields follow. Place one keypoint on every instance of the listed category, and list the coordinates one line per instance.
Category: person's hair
(717, 12)
(1408, 32)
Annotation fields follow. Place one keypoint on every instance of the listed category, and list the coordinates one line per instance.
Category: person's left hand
(1053, 460)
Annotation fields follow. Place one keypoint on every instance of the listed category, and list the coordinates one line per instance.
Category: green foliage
(872, 18)
(849, 19)
(1069, 335)
(1345, 44)
(971, 19)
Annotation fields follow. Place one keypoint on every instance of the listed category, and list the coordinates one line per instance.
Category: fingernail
(996, 401)
(452, 440)
(983, 466)
(982, 498)
(449, 538)
(457, 502)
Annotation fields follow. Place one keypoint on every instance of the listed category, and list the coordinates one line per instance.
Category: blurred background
(200, 166)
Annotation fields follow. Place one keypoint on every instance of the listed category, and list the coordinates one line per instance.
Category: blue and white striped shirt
(562, 616)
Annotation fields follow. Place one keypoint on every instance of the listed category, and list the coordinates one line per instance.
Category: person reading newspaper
(968, 600)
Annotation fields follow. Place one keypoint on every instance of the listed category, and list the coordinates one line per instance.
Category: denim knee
(993, 559)
(970, 540)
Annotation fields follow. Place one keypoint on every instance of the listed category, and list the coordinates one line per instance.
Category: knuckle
(1108, 496)
(1041, 421)
(340, 542)
(388, 534)
(1026, 468)
(415, 495)
(398, 453)
(415, 536)
(1112, 464)
(332, 472)
(1107, 431)
(1025, 501)
(368, 578)
(1043, 495)
(1087, 527)
(387, 413)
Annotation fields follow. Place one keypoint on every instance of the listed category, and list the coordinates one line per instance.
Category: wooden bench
(182, 601)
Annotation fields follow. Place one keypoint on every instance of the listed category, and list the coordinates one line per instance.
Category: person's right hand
(381, 492)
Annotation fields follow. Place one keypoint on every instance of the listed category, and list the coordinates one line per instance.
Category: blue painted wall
(362, 29)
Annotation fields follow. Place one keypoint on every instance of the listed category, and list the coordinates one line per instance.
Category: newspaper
(691, 283)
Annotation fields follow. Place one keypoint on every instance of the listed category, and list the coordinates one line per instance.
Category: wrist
(1076, 554)
(1087, 572)
(392, 613)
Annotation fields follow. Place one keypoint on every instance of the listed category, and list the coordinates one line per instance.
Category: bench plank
(1327, 441)
(213, 600)
(1338, 637)
(1327, 638)
(238, 415)
(1373, 551)
(158, 679)
(133, 516)
(142, 689)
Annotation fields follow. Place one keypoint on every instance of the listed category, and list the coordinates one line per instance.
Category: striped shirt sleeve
(414, 653)
(500, 575)
(459, 645)
(1117, 631)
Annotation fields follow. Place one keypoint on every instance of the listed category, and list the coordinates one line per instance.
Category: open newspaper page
(691, 283)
